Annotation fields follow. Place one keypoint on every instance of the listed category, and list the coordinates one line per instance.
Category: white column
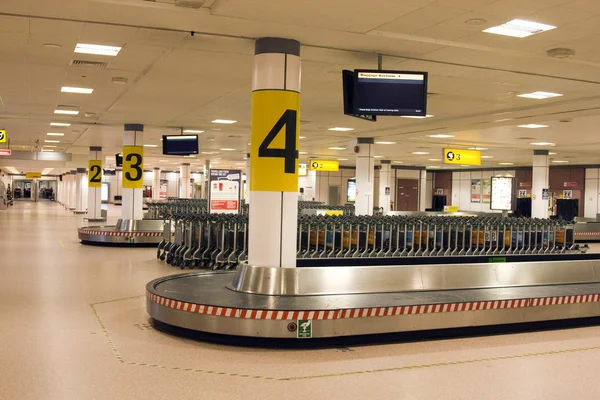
(365, 176)
(273, 215)
(133, 198)
(385, 187)
(247, 178)
(541, 170)
(73, 190)
(184, 181)
(156, 184)
(94, 199)
(79, 197)
(206, 182)
(423, 189)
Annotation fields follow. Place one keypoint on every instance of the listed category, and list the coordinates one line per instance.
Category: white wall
(326, 179)
(461, 189)
(592, 187)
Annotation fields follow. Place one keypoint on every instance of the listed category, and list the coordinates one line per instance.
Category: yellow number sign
(133, 167)
(324, 165)
(2, 135)
(462, 157)
(95, 173)
(274, 152)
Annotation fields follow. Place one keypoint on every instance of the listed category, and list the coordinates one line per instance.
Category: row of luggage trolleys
(220, 241)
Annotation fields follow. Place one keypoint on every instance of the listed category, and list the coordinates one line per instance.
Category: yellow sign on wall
(133, 167)
(33, 175)
(275, 141)
(462, 157)
(95, 173)
(324, 165)
(2, 135)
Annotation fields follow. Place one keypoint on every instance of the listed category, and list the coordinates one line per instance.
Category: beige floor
(73, 326)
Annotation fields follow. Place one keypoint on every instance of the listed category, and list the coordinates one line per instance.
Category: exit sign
(5, 152)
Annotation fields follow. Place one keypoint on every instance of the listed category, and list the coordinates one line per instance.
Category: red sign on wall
(570, 184)
(5, 152)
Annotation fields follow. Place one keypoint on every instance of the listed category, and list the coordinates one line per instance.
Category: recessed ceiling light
(192, 131)
(66, 112)
(342, 159)
(51, 141)
(398, 162)
(441, 136)
(301, 137)
(532, 126)
(163, 160)
(478, 148)
(560, 161)
(96, 49)
(59, 124)
(487, 156)
(119, 80)
(552, 154)
(435, 159)
(385, 142)
(539, 95)
(465, 165)
(223, 121)
(67, 89)
(417, 116)
(303, 152)
(506, 163)
(340, 129)
(337, 148)
(378, 156)
(503, 119)
(475, 21)
(519, 28)
(49, 145)
(209, 152)
(55, 134)
(47, 150)
(150, 145)
(542, 144)
(433, 167)
(227, 149)
(420, 153)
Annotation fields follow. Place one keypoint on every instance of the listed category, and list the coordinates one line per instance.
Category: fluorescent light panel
(441, 136)
(539, 95)
(560, 161)
(417, 116)
(97, 49)
(420, 153)
(223, 121)
(150, 145)
(542, 144)
(385, 142)
(192, 131)
(59, 124)
(68, 89)
(532, 126)
(506, 163)
(51, 141)
(55, 134)
(519, 28)
(337, 148)
(341, 129)
(227, 149)
(66, 112)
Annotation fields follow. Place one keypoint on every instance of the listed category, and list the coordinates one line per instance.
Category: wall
(461, 189)
(592, 189)
(569, 179)
(326, 179)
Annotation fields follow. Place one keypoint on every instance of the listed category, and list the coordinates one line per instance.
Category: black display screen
(119, 160)
(390, 93)
(180, 145)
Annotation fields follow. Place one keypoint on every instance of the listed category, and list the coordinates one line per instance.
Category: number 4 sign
(275, 121)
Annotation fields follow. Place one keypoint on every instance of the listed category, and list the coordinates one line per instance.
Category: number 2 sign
(95, 173)
(133, 167)
(275, 122)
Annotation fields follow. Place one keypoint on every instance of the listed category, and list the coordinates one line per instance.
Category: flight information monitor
(395, 93)
(180, 145)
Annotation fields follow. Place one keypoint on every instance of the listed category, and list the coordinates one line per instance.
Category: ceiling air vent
(89, 64)
(189, 3)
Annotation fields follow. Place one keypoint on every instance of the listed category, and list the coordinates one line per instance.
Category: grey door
(334, 196)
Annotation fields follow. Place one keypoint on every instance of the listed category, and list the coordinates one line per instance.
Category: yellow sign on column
(275, 141)
(133, 167)
(324, 165)
(462, 157)
(95, 173)
(2, 135)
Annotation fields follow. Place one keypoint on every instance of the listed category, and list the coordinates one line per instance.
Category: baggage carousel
(133, 233)
(335, 301)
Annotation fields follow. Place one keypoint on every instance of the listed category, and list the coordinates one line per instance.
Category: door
(23, 190)
(334, 196)
(46, 190)
(407, 195)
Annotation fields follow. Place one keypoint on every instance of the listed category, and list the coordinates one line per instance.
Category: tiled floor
(73, 326)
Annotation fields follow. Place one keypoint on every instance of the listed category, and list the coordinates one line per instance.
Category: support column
(73, 190)
(133, 172)
(540, 178)
(79, 195)
(247, 178)
(206, 177)
(94, 200)
(274, 141)
(365, 176)
(156, 184)
(423, 189)
(385, 187)
(184, 181)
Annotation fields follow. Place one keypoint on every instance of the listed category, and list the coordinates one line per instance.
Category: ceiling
(176, 79)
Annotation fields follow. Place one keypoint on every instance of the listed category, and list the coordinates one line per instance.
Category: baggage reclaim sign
(462, 157)
(324, 165)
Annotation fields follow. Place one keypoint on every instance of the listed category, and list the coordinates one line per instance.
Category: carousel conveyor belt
(207, 302)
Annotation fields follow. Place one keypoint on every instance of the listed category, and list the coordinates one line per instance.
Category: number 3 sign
(133, 167)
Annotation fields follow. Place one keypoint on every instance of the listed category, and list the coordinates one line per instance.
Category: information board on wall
(502, 188)
(475, 190)
(225, 191)
(487, 191)
(164, 186)
(351, 191)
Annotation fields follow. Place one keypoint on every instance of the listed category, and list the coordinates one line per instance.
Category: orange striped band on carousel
(128, 234)
(370, 312)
